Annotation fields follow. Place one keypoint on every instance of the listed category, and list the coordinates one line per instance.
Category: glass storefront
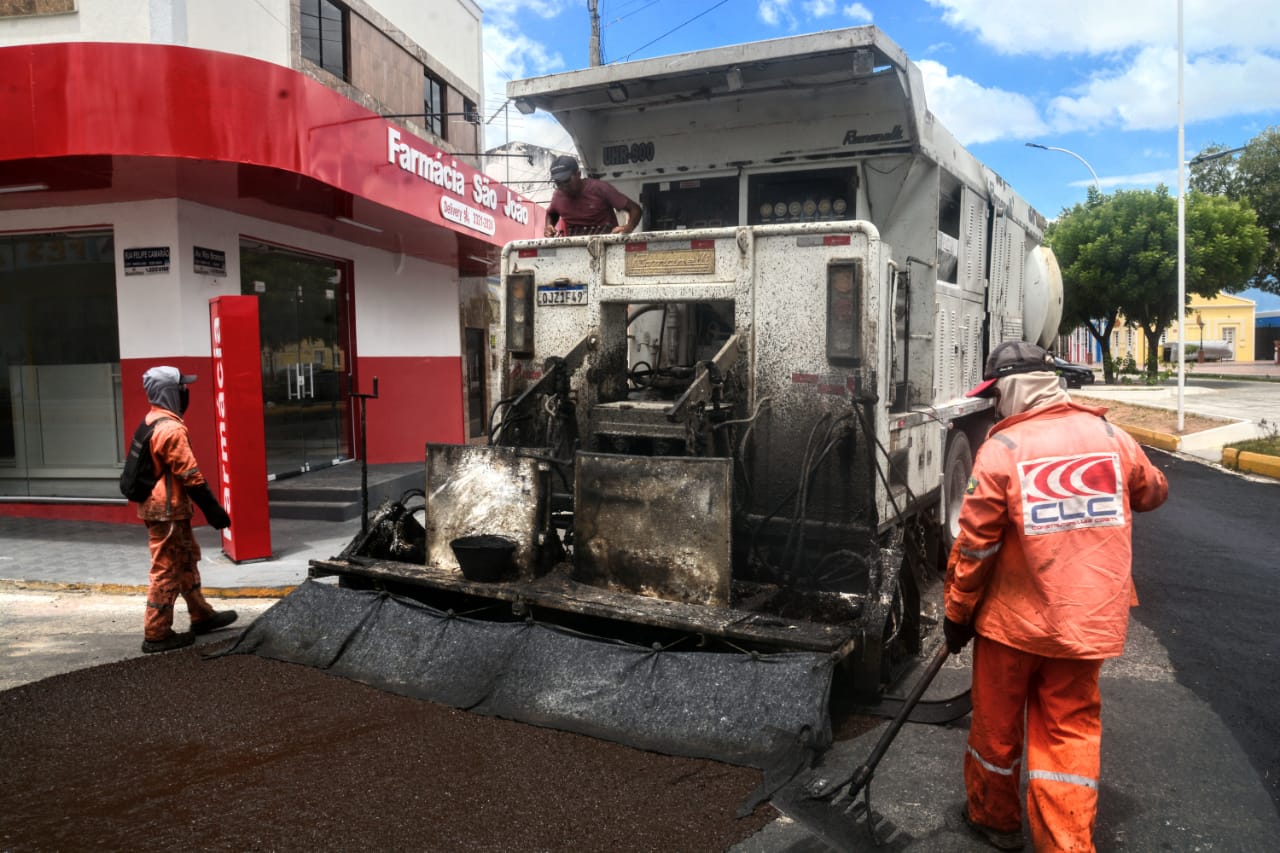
(61, 415)
(301, 311)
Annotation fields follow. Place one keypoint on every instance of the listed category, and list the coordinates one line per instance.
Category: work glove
(213, 511)
(958, 636)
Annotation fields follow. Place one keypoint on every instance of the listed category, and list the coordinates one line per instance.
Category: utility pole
(593, 6)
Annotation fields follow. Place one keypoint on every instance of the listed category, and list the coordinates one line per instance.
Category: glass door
(301, 305)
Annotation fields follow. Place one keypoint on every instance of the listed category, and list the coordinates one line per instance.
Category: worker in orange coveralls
(167, 512)
(1041, 574)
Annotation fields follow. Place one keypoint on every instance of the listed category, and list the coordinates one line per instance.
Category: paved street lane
(1208, 576)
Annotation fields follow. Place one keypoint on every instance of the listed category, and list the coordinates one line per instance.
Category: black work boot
(997, 839)
(220, 619)
(169, 643)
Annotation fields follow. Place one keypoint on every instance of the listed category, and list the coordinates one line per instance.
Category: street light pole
(1182, 235)
(1096, 184)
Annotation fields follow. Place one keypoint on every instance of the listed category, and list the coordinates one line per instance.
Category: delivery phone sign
(242, 454)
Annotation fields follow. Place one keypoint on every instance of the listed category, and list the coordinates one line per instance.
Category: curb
(1150, 437)
(1236, 460)
(1254, 463)
(134, 589)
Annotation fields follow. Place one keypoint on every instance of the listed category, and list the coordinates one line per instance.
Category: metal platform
(557, 591)
(333, 494)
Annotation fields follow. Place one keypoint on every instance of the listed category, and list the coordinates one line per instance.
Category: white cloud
(1168, 177)
(1143, 96)
(1103, 26)
(1230, 48)
(511, 55)
(974, 113)
(777, 13)
(858, 13)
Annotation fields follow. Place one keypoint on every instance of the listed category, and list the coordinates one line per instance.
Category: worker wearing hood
(1040, 572)
(175, 553)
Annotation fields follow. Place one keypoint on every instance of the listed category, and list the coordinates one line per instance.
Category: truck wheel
(955, 478)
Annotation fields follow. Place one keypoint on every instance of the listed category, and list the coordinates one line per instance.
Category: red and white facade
(202, 153)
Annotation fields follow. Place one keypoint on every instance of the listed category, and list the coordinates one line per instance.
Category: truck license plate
(561, 294)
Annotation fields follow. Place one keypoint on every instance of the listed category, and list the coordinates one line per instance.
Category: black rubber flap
(765, 711)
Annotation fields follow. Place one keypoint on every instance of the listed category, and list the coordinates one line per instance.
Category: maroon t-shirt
(592, 212)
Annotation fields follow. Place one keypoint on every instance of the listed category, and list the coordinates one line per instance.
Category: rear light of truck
(844, 311)
(520, 314)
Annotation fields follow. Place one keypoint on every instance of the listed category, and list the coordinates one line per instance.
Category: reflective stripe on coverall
(1041, 569)
(1063, 738)
(175, 554)
(167, 512)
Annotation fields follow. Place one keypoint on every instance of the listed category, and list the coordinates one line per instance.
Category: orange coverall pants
(174, 556)
(1063, 737)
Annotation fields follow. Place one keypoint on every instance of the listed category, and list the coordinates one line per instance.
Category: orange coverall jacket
(1043, 559)
(171, 450)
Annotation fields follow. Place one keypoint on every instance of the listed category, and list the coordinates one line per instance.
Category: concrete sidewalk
(44, 554)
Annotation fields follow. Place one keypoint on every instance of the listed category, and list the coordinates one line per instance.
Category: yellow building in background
(1224, 324)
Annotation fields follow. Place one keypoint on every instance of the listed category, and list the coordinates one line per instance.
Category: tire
(955, 479)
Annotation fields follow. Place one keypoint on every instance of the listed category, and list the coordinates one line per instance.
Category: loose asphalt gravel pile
(241, 753)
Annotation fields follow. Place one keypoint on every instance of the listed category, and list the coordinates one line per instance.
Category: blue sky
(1097, 77)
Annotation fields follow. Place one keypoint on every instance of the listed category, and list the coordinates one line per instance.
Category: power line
(673, 29)
(622, 18)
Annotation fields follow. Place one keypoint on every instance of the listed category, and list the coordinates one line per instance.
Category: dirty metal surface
(654, 526)
(629, 419)
(482, 490)
(559, 591)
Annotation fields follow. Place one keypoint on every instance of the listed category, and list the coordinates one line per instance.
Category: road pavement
(1245, 394)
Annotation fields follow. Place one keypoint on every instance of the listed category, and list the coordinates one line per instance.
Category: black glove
(213, 511)
(958, 636)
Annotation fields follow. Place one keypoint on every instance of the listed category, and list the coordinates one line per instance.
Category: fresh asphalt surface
(1208, 576)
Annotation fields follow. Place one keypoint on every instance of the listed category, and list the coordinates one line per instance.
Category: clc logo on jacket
(1071, 492)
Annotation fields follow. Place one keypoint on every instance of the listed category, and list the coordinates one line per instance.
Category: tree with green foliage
(1070, 236)
(1119, 257)
(1252, 177)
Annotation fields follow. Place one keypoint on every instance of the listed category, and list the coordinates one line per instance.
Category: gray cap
(1007, 359)
(166, 375)
(163, 385)
(563, 168)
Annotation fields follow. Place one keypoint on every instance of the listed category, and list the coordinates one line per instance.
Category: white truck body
(762, 151)
(745, 422)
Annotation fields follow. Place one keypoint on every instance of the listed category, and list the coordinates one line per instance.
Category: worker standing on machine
(586, 205)
(1041, 574)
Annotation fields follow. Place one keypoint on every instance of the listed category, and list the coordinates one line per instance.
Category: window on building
(324, 35)
(469, 111)
(433, 104)
(61, 404)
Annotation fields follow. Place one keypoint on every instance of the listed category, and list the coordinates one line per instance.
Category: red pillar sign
(242, 453)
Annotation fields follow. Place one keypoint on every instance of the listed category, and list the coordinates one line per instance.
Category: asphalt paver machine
(726, 450)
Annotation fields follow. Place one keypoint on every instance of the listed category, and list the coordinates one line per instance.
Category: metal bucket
(484, 557)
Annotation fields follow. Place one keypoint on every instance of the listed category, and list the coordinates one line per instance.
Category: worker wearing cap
(586, 205)
(167, 513)
(1040, 573)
